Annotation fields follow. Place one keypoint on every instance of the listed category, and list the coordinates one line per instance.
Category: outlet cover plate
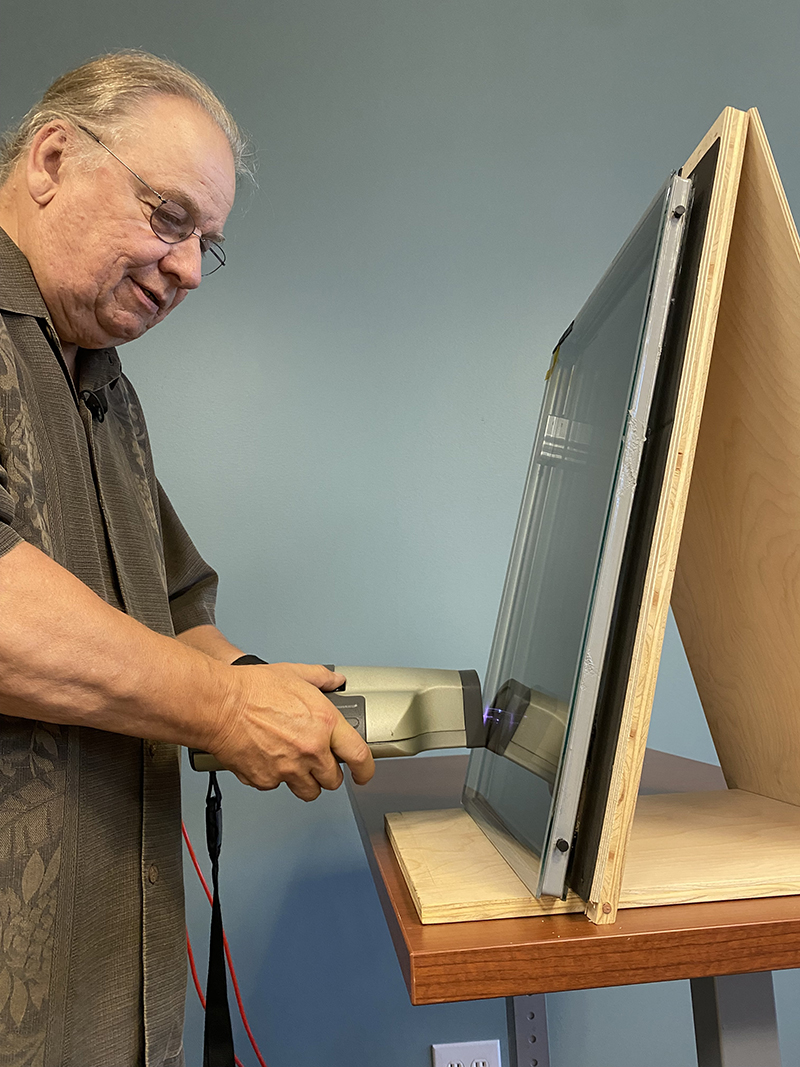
(467, 1054)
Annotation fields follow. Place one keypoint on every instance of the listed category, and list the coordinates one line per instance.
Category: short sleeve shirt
(92, 957)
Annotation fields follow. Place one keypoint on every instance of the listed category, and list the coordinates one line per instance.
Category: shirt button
(152, 874)
(151, 749)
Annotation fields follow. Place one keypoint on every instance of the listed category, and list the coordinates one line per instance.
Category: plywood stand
(728, 535)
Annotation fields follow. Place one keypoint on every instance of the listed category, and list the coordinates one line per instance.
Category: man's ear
(44, 170)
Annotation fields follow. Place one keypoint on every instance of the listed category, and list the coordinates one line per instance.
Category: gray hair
(103, 93)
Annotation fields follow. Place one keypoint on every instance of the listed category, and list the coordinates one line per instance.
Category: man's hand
(278, 727)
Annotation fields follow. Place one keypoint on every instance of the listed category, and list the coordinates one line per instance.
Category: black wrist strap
(218, 1034)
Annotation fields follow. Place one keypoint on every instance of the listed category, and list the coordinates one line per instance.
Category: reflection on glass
(528, 727)
(546, 652)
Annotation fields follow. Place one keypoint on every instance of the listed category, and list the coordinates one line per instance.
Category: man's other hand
(278, 727)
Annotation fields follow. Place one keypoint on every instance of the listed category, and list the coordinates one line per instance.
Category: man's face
(105, 276)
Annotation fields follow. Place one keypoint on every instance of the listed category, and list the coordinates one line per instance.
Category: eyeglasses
(170, 220)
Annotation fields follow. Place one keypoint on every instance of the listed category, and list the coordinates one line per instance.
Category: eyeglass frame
(213, 247)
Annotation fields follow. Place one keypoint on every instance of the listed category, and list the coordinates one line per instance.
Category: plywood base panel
(684, 848)
(454, 873)
(692, 847)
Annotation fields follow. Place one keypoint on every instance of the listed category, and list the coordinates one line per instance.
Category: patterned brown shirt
(92, 951)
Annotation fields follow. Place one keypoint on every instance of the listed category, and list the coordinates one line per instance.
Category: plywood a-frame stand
(730, 502)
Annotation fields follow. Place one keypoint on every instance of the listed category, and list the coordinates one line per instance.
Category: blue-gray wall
(441, 184)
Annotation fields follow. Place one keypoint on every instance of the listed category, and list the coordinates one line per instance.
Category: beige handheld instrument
(400, 711)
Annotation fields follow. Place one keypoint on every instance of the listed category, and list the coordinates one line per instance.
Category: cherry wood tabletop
(513, 957)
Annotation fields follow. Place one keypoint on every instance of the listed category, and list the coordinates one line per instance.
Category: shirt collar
(20, 294)
(18, 289)
(98, 367)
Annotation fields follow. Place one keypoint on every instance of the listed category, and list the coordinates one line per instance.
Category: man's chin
(112, 334)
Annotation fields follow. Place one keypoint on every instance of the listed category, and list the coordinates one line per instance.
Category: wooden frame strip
(731, 129)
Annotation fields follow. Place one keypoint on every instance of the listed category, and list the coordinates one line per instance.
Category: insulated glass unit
(547, 655)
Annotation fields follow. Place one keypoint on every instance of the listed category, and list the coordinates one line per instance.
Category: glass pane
(548, 648)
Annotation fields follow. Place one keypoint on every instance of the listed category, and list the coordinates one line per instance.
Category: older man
(115, 191)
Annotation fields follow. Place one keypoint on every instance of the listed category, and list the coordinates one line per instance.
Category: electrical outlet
(467, 1054)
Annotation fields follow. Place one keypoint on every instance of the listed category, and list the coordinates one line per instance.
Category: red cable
(194, 861)
(228, 956)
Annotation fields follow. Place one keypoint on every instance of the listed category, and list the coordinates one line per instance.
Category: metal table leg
(734, 1021)
(527, 1031)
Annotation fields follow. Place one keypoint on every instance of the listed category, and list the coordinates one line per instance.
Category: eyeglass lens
(173, 224)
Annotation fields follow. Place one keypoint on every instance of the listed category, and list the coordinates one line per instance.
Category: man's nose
(184, 261)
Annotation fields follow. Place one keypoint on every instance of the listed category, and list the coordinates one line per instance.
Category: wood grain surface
(737, 589)
(455, 874)
(510, 957)
(728, 845)
(684, 848)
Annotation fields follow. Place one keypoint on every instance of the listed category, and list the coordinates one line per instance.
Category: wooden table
(514, 957)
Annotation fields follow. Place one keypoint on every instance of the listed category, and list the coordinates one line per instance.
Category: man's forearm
(68, 657)
(210, 640)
